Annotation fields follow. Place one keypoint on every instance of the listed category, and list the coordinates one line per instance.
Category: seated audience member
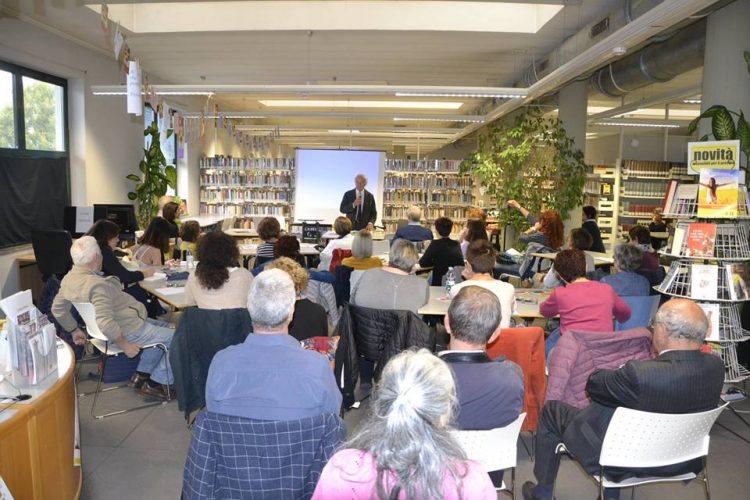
(480, 259)
(120, 317)
(288, 246)
(107, 234)
(162, 203)
(309, 319)
(640, 237)
(343, 228)
(218, 282)
(189, 233)
(580, 239)
(393, 286)
(270, 376)
(590, 225)
(657, 225)
(546, 232)
(490, 393)
(154, 244)
(583, 305)
(626, 282)
(269, 230)
(171, 213)
(362, 258)
(681, 379)
(442, 252)
(413, 231)
(476, 229)
(405, 448)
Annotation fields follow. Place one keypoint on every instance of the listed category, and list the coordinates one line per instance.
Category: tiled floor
(140, 455)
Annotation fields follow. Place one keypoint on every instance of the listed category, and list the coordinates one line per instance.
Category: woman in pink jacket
(583, 305)
(405, 449)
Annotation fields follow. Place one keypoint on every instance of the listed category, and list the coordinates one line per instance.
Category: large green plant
(532, 161)
(723, 124)
(156, 176)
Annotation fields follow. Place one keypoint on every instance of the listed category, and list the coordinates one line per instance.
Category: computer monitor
(122, 215)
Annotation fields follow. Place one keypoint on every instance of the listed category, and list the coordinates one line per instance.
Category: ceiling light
(316, 103)
(458, 118)
(692, 101)
(471, 95)
(343, 131)
(624, 123)
(157, 92)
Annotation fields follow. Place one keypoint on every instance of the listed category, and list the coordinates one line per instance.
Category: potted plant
(532, 161)
(156, 176)
(727, 125)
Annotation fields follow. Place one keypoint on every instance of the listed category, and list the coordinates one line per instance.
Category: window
(33, 113)
(7, 111)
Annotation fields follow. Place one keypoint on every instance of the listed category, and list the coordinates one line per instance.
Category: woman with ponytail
(218, 282)
(405, 449)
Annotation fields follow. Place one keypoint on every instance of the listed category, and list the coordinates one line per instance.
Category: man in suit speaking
(682, 379)
(359, 205)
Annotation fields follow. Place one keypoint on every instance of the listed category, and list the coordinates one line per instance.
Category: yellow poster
(713, 154)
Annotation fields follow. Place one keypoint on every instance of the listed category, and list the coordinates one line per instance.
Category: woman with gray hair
(393, 286)
(626, 282)
(405, 449)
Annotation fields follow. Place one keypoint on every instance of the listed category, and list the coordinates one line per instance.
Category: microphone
(20, 397)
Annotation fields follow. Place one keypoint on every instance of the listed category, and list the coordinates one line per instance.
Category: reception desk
(37, 437)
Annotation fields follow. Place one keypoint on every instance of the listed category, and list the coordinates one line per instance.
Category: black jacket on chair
(376, 335)
(368, 214)
(200, 334)
(674, 382)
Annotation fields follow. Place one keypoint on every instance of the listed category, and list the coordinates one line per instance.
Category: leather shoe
(527, 490)
(138, 380)
(160, 391)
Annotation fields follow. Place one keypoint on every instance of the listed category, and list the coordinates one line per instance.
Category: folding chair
(107, 349)
(494, 449)
(638, 439)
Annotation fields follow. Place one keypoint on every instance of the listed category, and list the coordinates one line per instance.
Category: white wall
(605, 150)
(105, 142)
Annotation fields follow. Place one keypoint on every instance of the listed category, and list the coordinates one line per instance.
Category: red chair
(339, 254)
(525, 347)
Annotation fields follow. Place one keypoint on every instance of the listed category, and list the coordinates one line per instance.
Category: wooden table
(37, 436)
(173, 295)
(527, 303)
(600, 259)
(242, 233)
(250, 250)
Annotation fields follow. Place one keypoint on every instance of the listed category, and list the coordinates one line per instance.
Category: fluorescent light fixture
(343, 131)
(693, 101)
(625, 123)
(470, 95)
(348, 104)
(157, 92)
(457, 118)
(317, 15)
(673, 113)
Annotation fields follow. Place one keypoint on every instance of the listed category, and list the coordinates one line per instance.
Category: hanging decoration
(135, 102)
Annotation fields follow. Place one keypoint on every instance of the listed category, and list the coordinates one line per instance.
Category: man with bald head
(681, 379)
(358, 205)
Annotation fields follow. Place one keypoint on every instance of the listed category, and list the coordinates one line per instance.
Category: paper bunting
(135, 102)
(104, 19)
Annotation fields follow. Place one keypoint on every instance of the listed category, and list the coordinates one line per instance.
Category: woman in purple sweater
(583, 305)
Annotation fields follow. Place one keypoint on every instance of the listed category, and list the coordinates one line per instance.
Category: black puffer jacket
(377, 335)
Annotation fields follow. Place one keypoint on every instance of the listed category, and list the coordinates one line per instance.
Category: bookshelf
(436, 186)
(247, 187)
(721, 294)
(600, 190)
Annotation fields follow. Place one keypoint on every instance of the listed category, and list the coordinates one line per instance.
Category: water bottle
(450, 280)
(189, 259)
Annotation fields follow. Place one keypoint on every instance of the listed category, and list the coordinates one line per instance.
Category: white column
(572, 104)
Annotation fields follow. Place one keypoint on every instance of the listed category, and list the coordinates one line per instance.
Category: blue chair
(643, 310)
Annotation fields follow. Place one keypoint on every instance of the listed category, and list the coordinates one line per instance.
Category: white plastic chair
(107, 349)
(638, 439)
(494, 449)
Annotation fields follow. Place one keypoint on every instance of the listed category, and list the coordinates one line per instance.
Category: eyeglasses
(651, 326)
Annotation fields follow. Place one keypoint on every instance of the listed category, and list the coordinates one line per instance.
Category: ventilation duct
(587, 37)
(658, 62)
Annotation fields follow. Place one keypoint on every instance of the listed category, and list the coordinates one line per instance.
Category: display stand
(731, 246)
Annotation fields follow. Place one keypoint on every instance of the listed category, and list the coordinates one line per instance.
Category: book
(669, 278)
(669, 196)
(718, 193)
(738, 277)
(677, 239)
(704, 282)
(684, 200)
(701, 239)
(713, 314)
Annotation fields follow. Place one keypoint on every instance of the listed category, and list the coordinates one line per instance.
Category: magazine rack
(731, 247)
